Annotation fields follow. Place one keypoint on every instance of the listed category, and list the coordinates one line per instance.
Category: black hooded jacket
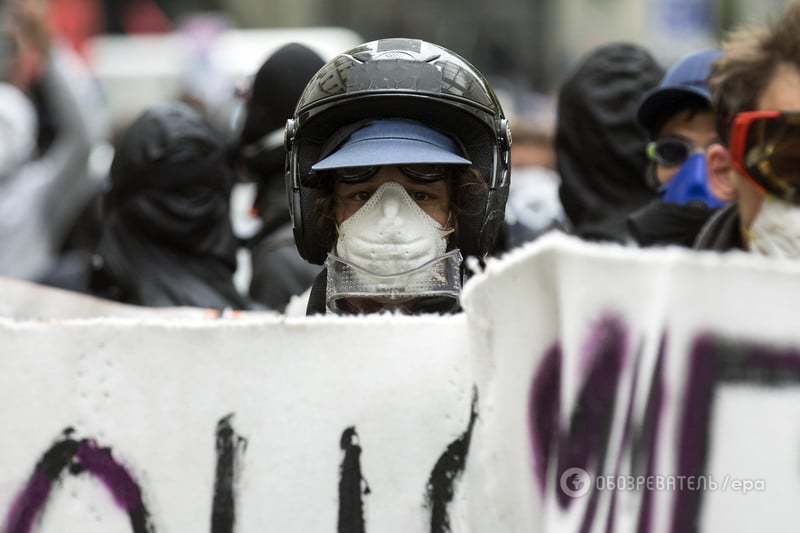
(722, 233)
(167, 238)
(600, 147)
(278, 270)
(662, 224)
(276, 88)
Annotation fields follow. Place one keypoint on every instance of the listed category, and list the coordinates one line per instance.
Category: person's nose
(391, 207)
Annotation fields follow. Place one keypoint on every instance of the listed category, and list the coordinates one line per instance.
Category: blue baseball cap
(389, 142)
(685, 82)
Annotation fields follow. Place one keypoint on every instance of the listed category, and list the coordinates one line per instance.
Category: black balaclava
(600, 147)
(276, 89)
(167, 237)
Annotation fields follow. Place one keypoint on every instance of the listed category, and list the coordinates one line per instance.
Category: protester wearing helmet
(679, 120)
(756, 94)
(398, 161)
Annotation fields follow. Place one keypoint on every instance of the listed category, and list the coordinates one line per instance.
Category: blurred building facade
(524, 42)
(530, 41)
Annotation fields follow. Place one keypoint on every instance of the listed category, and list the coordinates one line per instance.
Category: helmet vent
(395, 74)
(397, 45)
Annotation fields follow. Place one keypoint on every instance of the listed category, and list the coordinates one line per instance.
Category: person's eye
(361, 196)
(421, 196)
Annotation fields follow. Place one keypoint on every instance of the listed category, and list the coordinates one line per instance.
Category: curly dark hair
(750, 58)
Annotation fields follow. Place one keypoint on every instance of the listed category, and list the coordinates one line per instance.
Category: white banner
(637, 392)
(586, 388)
(182, 426)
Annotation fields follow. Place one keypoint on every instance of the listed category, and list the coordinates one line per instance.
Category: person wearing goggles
(680, 123)
(391, 182)
(398, 167)
(756, 93)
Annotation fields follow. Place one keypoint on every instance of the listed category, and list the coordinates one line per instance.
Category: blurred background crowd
(80, 73)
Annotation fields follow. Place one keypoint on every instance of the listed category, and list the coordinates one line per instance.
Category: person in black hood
(167, 237)
(600, 147)
(278, 270)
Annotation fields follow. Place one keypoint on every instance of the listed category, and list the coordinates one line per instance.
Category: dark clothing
(722, 233)
(278, 270)
(660, 224)
(316, 300)
(600, 147)
(132, 269)
(276, 88)
(167, 238)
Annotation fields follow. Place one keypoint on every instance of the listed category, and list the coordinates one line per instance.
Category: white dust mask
(533, 199)
(390, 234)
(776, 230)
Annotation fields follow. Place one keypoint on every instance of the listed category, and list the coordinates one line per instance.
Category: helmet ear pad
(475, 205)
(318, 223)
(494, 219)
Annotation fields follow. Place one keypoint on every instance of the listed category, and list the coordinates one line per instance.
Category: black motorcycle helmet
(400, 78)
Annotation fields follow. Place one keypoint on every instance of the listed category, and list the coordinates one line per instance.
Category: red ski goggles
(765, 147)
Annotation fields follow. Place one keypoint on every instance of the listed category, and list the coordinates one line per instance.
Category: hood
(600, 147)
(167, 234)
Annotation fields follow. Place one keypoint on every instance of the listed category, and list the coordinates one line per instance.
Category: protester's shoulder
(277, 240)
(721, 232)
(317, 294)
